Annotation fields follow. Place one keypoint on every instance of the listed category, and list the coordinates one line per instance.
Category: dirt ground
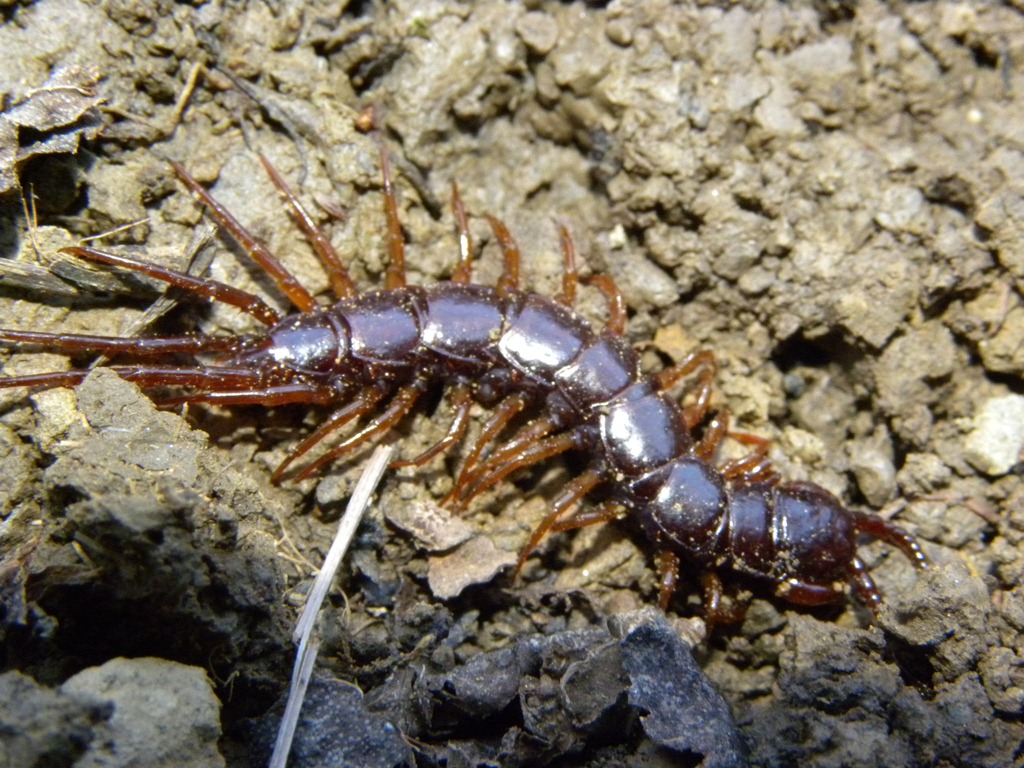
(830, 196)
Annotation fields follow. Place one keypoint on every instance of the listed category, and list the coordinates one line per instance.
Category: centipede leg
(462, 400)
(540, 451)
(754, 468)
(509, 280)
(569, 497)
(500, 418)
(703, 362)
(570, 280)
(616, 302)
(399, 407)
(362, 404)
(463, 272)
(570, 275)
(529, 434)
(761, 444)
(715, 612)
(341, 282)
(285, 280)
(864, 585)
(712, 437)
(668, 575)
(394, 277)
(602, 513)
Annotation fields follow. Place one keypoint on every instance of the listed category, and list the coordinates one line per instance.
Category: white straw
(308, 646)
(346, 530)
(301, 675)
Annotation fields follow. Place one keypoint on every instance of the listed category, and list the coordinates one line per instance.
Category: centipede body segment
(373, 355)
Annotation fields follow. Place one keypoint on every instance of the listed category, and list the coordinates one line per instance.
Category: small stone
(165, 714)
(648, 284)
(802, 445)
(435, 529)
(900, 205)
(906, 370)
(58, 412)
(871, 460)
(773, 113)
(619, 32)
(1004, 352)
(475, 562)
(995, 443)
(744, 89)
(737, 33)
(1002, 675)
(830, 59)
(922, 474)
(539, 31)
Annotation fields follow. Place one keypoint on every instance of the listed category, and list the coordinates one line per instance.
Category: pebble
(996, 440)
(1004, 352)
(475, 562)
(539, 31)
(165, 714)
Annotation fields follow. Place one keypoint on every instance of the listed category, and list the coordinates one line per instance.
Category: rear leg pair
(806, 594)
(857, 572)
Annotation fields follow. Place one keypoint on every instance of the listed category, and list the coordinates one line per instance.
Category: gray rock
(165, 714)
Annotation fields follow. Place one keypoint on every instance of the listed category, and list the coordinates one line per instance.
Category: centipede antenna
(202, 286)
(258, 252)
(143, 347)
(394, 277)
(281, 394)
(341, 281)
(199, 258)
(146, 377)
(463, 272)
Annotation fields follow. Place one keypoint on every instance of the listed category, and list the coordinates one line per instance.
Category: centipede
(554, 383)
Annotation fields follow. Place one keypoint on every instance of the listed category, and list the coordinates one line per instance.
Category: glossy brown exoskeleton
(373, 355)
